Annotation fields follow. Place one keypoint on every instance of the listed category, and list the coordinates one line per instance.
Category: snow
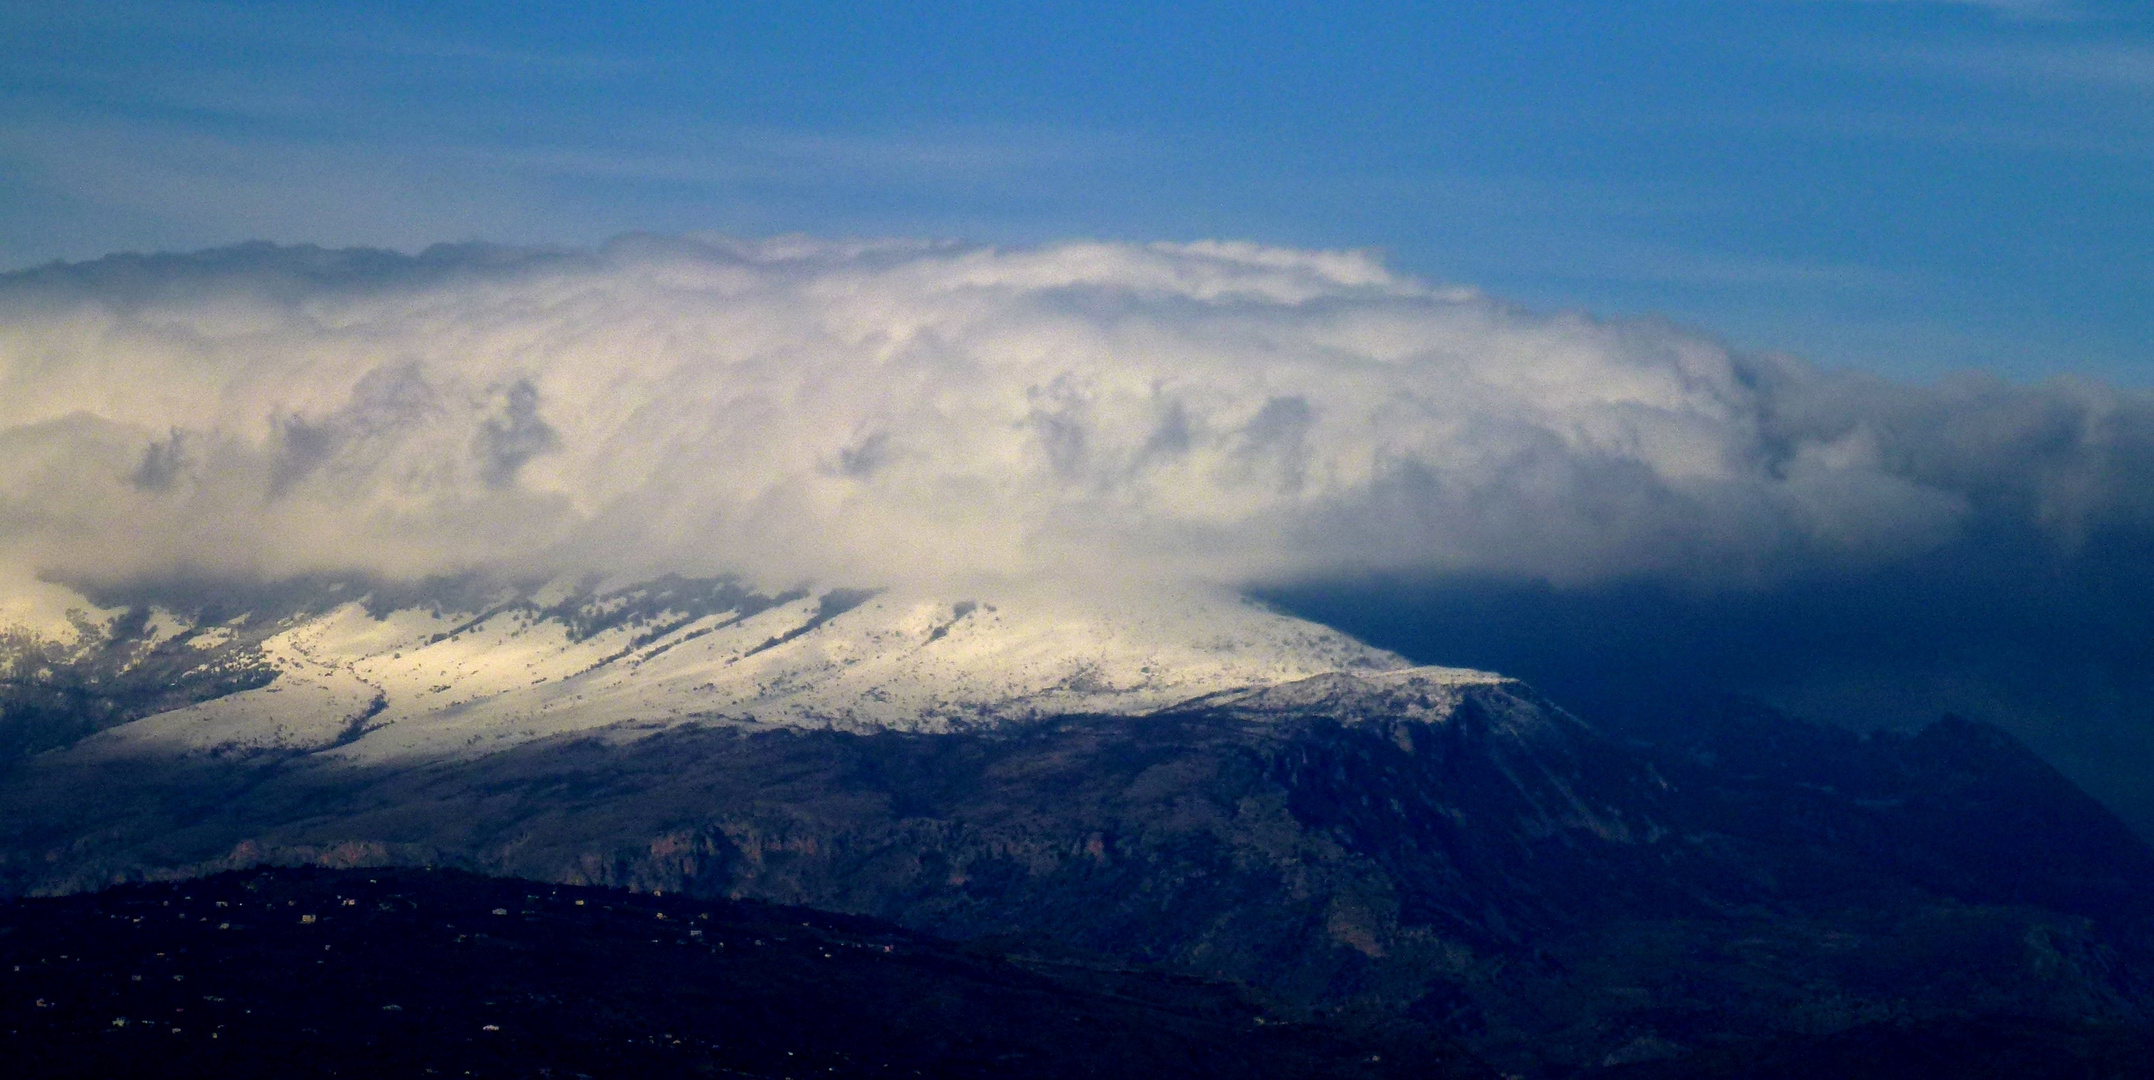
(423, 684)
(39, 610)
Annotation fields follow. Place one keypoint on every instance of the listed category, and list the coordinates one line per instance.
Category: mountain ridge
(376, 677)
(1431, 843)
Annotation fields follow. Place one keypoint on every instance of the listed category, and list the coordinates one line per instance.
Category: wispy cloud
(2048, 10)
(2006, 7)
(182, 182)
(2107, 65)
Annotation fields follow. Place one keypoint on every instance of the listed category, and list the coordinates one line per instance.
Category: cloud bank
(904, 412)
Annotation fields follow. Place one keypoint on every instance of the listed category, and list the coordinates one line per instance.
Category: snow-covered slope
(373, 682)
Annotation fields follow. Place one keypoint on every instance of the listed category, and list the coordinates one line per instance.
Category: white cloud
(878, 412)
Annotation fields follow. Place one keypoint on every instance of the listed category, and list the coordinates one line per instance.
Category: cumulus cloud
(885, 412)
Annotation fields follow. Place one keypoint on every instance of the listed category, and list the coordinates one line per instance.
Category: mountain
(1178, 780)
(308, 973)
(465, 671)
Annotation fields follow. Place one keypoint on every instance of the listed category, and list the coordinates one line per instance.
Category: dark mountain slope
(1502, 871)
(1959, 807)
(304, 973)
(1959, 1048)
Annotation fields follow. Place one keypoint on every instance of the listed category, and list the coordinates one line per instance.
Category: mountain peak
(384, 675)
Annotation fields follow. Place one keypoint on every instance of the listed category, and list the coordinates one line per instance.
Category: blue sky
(1895, 185)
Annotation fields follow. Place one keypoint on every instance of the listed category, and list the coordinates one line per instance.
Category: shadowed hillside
(309, 973)
(1500, 873)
